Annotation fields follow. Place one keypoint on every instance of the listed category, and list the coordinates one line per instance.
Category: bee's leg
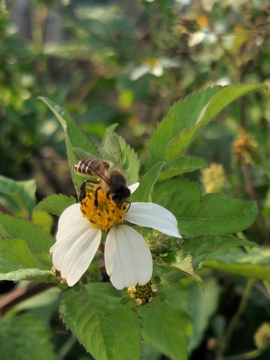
(128, 205)
(108, 195)
(96, 196)
(82, 193)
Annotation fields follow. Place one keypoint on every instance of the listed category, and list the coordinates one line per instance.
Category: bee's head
(121, 195)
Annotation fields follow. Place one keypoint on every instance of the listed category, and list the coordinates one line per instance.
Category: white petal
(157, 70)
(72, 222)
(128, 259)
(76, 244)
(196, 38)
(73, 256)
(153, 216)
(134, 187)
(139, 72)
(169, 63)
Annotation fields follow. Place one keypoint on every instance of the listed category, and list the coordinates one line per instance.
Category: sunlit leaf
(43, 219)
(131, 164)
(15, 256)
(36, 238)
(181, 165)
(178, 260)
(75, 137)
(255, 264)
(147, 183)
(188, 117)
(200, 246)
(212, 214)
(26, 274)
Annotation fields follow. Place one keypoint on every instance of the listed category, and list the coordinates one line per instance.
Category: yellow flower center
(152, 62)
(106, 214)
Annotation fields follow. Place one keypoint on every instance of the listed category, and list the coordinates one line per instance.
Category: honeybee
(109, 178)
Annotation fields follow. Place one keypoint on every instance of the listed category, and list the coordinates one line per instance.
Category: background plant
(92, 65)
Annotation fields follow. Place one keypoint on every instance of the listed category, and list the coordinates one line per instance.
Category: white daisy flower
(153, 66)
(128, 260)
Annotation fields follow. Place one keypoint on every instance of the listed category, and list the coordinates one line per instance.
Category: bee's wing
(111, 150)
(81, 154)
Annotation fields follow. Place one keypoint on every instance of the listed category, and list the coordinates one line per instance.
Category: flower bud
(158, 243)
(213, 178)
(262, 336)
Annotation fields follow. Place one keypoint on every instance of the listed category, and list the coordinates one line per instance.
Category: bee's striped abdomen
(91, 167)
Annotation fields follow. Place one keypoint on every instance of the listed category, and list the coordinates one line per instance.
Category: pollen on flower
(106, 214)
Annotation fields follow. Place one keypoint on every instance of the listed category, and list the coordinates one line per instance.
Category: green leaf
(219, 101)
(26, 274)
(178, 260)
(22, 192)
(107, 329)
(131, 164)
(147, 183)
(75, 137)
(115, 149)
(165, 324)
(255, 264)
(197, 215)
(43, 219)
(43, 305)
(187, 118)
(55, 204)
(81, 154)
(15, 255)
(19, 337)
(149, 353)
(203, 307)
(37, 239)
(181, 165)
(200, 246)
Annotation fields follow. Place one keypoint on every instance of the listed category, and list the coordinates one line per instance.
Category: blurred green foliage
(128, 62)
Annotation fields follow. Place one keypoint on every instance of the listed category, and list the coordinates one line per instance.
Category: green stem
(235, 320)
(267, 286)
(248, 355)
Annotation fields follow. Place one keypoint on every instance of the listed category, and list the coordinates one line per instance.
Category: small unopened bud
(143, 294)
(57, 274)
(158, 243)
(262, 336)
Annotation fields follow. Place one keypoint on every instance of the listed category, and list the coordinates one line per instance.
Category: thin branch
(235, 320)
(4, 210)
(17, 296)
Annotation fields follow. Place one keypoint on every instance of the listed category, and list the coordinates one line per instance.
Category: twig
(17, 296)
(4, 210)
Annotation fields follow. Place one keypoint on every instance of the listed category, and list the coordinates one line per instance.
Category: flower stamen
(101, 211)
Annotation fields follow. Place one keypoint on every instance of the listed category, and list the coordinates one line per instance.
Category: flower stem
(248, 355)
(234, 321)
